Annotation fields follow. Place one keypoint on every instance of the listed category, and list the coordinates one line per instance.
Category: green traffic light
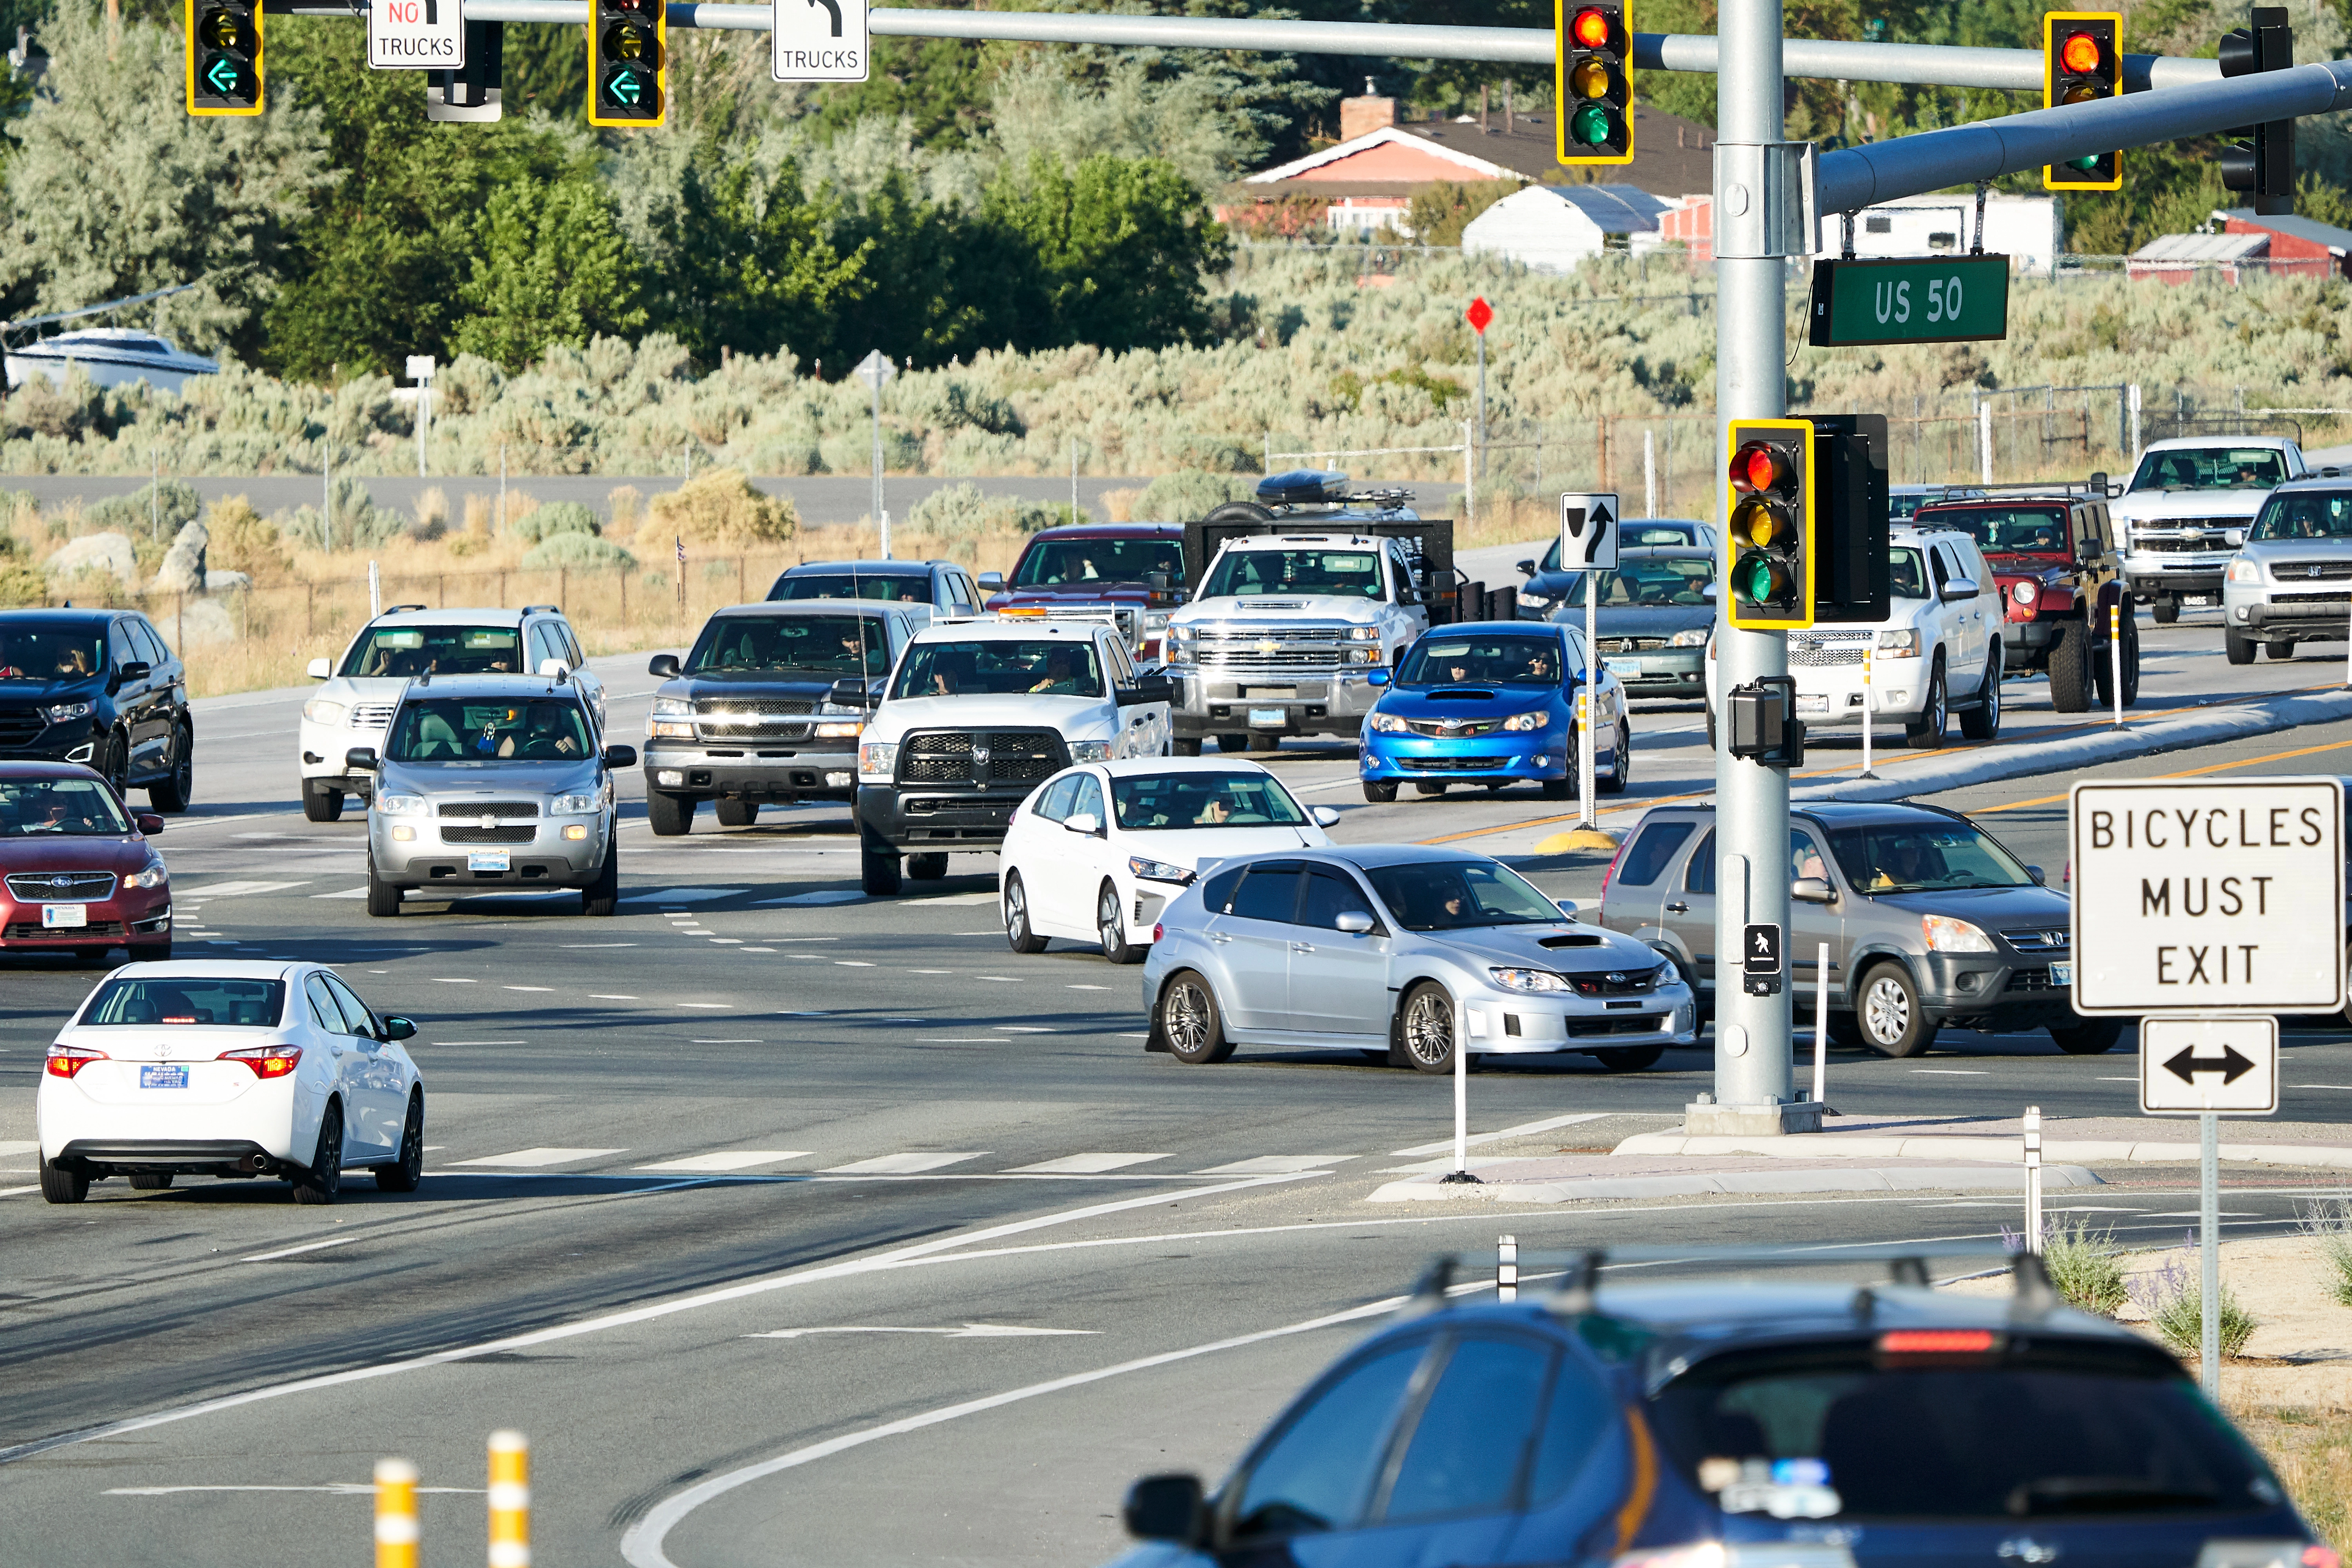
(2087, 164)
(1755, 585)
(1589, 125)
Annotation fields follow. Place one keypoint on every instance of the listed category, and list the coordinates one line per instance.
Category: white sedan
(229, 1069)
(1098, 851)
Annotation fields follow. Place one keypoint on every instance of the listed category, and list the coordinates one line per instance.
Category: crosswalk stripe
(1278, 1164)
(729, 1160)
(898, 1165)
(1083, 1164)
(536, 1157)
(242, 889)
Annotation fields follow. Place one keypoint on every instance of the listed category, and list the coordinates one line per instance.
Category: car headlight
(877, 759)
(1535, 601)
(1090, 750)
(1695, 638)
(1361, 654)
(1946, 934)
(1363, 634)
(840, 731)
(400, 804)
(151, 875)
(669, 728)
(577, 804)
(1537, 719)
(318, 710)
(1387, 723)
(1155, 620)
(2026, 594)
(2241, 570)
(1158, 870)
(1529, 980)
(1899, 644)
(672, 705)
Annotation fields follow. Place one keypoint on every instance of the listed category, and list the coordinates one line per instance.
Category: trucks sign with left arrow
(2221, 1066)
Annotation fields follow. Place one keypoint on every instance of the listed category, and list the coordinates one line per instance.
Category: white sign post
(877, 370)
(416, 34)
(822, 40)
(1588, 544)
(2208, 909)
(420, 371)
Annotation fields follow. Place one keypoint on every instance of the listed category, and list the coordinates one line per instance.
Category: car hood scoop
(1460, 694)
(1572, 939)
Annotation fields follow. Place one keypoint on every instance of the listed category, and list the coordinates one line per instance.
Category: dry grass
(2310, 1446)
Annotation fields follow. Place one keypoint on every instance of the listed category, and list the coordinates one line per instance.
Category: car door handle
(1302, 947)
(1220, 937)
(1679, 908)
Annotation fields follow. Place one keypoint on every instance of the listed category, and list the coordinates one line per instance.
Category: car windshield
(1634, 535)
(1248, 573)
(2008, 531)
(460, 729)
(2037, 1434)
(1647, 581)
(1061, 563)
(1920, 857)
(2211, 468)
(1907, 574)
(33, 808)
(410, 651)
(1188, 800)
(203, 1000)
(1446, 659)
(2305, 514)
(825, 645)
(1046, 665)
(1445, 895)
(894, 587)
(50, 651)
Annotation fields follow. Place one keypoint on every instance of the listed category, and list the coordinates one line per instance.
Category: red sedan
(77, 873)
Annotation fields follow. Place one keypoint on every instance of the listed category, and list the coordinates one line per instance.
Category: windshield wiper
(2101, 1494)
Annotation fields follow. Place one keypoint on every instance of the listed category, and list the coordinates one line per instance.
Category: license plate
(2061, 974)
(163, 1078)
(1272, 692)
(1268, 718)
(487, 860)
(2199, 600)
(1811, 704)
(1625, 666)
(54, 916)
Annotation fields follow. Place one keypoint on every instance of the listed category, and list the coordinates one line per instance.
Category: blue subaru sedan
(1493, 702)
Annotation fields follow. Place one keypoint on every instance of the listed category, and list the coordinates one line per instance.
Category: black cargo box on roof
(1303, 487)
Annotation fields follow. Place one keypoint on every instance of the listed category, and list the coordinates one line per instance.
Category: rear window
(408, 652)
(198, 1000)
(892, 587)
(1653, 848)
(2020, 1433)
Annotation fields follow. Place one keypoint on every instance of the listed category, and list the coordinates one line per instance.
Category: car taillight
(67, 1060)
(1610, 875)
(1938, 1341)
(266, 1061)
(1157, 930)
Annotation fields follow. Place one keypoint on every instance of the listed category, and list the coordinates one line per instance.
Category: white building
(2025, 228)
(1552, 228)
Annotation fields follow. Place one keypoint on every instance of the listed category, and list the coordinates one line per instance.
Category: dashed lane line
(899, 1165)
(532, 1159)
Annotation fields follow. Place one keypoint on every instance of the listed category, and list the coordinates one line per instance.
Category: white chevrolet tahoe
(977, 714)
(2185, 499)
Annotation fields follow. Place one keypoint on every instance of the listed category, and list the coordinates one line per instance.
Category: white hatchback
(1098, 851)
(229, 1069)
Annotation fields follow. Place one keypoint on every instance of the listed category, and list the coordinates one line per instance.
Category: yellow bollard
(395, 1514)
(510, 1501)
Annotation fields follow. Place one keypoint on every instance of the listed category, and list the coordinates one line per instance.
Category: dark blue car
(1493, 703)
(1548, 588)
(1741, 1424)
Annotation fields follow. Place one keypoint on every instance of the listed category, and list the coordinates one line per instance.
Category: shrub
(2170, 1299)
(357, 521)
(2086, 1266)
(171, 505)
(1188, 494)
(2329, 1222)
(720, 507)
(241, 540)
(951, 511)
(574, 548)
(557, 517)
(21, 586)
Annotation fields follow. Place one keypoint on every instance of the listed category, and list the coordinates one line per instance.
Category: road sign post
(875, 370)
(420, 371)
(1478, 315)
(822, 40)
(1588, 544)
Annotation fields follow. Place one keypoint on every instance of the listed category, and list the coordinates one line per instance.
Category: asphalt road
(682, 1159)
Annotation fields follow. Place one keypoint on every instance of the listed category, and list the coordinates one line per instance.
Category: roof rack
(535, 609)
(395, 609)
(2096, 486)
(1581, 1269)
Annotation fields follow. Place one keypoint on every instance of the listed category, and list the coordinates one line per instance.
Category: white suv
(406, 641)
(1937, 652)
(2187, 499)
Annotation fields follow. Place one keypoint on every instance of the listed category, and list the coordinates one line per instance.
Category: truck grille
(1014, 757)
(371, 715)
(2179, 544)
(2052, 939)
(503, 809)
(62, 887)
(21, 726)
(487, 835)
(2311, 571)
(1274, 647)
(1827, 650)
(782, 719)
(1430, 727)
(2339, 596)
(1628, 644)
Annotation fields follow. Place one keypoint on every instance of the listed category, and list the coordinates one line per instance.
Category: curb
(1700, 1183)
(2004, 1151)
(1579, 839)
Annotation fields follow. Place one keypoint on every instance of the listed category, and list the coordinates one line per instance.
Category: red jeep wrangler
(2053, 552)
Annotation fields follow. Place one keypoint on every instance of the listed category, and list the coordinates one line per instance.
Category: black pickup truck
(749, 717)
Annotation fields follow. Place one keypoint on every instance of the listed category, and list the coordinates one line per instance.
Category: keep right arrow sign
(2227, 1065)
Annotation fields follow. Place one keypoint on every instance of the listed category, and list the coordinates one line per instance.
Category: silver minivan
(492, 780)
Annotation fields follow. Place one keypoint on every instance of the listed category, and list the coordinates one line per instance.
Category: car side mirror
(1324, 816)
(1083, 822)
(1567, 907)
(320, 669)
(137, 669)
(620, 756)
(1526, 568)
(847, 692)
(663, 665)
(1376, 677)
(1355, 923)
(1707, 592)
(1811, 890)
(1147, 689)
(2235, 537)
(396, 1028)
(148, 822)
(361, 759)
(553, 667)
(2040, 878)
(991, 581)
(1958, 588)
(1167, 1508)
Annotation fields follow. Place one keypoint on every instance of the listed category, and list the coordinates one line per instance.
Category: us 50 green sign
(1909, 299)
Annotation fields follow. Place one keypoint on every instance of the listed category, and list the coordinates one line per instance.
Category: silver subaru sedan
(1404, 952)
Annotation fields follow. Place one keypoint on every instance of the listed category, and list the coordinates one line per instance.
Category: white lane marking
(682, 895)
(714, 1006)
(575, 944)
(957, 898)
(1278, 1165)
(335, 1488)
(730, 1042)
(531, 1157)
(628, 1317)
(445, 980)
(930, 971)
(306, 1247)
(998, 979)
(13, 1192)
(729, 1160)
(526, 987)
(610, 996)
(759, 950)
(358, 892)
(1021, 1029)
(958, 1040)
(642, 1546)
(898, 1165)
(1083, 1164)
(17, 1146)
(1524, 1129)
(853, 963)
(969, 1331)
(1952, 1072)
(479, 1042)
(244, 889)
(822, 896)
(1086, 987)
(727, 941)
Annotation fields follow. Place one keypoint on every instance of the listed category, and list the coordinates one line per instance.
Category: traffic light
(224, 55)
(1594, 68)
(2082, 61)
(629, 42)
(2263, 163)
(1851, 566)
(1770, 556)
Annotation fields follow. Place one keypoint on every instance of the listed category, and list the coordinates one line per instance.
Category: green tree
(549, 267)
(1120, 247)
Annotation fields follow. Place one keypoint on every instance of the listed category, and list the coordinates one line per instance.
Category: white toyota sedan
(229, 1069)
(1098, 851)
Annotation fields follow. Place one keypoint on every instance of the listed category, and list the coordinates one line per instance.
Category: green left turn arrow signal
(223, 77)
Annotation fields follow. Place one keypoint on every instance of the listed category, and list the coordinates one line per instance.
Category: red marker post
(1478, 315)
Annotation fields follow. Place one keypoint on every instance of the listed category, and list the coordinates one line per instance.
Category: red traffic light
(1759, 466)
(2079, 55)
(1591, 29)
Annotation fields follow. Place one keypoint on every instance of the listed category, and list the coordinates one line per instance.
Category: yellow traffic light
(628, 65)
(223, 56)
(2082, 62)
(1594, 81)
(1769, 503)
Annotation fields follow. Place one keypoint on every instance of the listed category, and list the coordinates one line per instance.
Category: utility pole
(1754, 176)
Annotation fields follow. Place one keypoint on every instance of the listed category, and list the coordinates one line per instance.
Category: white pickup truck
(2186, 499)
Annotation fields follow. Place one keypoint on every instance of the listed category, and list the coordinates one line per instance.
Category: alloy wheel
(1429, 1028)
(1887, 1010)
(1184, 1018)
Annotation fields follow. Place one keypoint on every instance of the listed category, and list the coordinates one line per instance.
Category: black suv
(100, 688)
(942, 587)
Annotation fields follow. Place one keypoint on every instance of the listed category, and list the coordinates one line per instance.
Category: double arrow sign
(2186, 1065)
(2222, 1065)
